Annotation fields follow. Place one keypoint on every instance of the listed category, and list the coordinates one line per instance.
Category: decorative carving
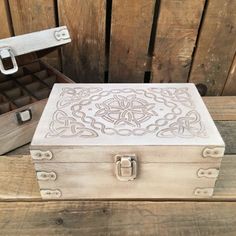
(85, 112)
(129, 110)
(65, 126)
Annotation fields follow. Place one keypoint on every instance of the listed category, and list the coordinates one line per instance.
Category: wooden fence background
(136, 40)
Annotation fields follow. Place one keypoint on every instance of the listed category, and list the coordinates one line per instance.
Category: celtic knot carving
(89, 112)
(129, 110)
(64, 126)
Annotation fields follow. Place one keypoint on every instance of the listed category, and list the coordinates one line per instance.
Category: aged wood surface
(84, 58)
(30, 16)
(22, 184)
(130, 34)
(177, 31)
(216, 46)
(5, 31)
(230, 86)
(221, 108)
(118, 218)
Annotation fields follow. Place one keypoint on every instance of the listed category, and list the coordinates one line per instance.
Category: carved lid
(126, 114)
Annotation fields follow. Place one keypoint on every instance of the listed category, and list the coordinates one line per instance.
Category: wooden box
(122, 141)
(24, 88)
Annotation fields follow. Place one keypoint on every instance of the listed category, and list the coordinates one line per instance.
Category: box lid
(126, 114)
(12, 47)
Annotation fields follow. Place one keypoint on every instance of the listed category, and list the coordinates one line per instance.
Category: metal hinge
(41, 155)
(62, 34)
(204, 192)
(50, 193)
(43, 175)
(215, 152)
(6, 52)
(126, 167)
(208, 173)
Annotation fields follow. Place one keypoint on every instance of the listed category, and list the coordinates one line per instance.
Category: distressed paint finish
(30, 16)
(177, 30)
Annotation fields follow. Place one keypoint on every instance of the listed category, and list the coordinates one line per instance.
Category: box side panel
(154, 180)
(14, 135)
(146, 154)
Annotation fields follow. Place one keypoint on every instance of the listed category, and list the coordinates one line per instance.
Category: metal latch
(6, 52)
(24, 116)
(126, 167)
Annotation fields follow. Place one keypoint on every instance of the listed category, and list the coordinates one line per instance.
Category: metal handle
(7, 52)
(24, 116)
(126, 167)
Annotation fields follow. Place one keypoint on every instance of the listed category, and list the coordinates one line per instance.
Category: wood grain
(177, 31)
(130, 34)
(18, 180)
(227, 130)
(216, 46)
(118, 218)
(84, 59)
(221, 108)
(5, 31)
(230, 86)
(30, 16)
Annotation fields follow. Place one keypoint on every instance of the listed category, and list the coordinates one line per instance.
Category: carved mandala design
(125, 110)
(89, 112)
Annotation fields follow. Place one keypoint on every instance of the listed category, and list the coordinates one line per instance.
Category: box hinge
(62, 34)
(126, 167)
(43, 175)
(50, 193)
(208, 173)
(41, 155)
(204, 192)
(215, 152)
(6, 52)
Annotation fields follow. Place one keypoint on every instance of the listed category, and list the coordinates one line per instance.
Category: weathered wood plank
(177, 30)
(216, 46)
(227, 130)
(221, 108)
(18, 180)
(118, 218)
(230, 86)
(5, 31)
(84, 59)
(30, 16)
(130, 34)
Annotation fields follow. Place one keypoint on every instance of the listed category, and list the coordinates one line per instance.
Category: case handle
(6, 52)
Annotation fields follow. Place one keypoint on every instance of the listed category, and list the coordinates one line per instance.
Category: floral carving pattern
(86, 112)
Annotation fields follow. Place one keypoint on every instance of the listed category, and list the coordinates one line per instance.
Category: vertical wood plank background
(136, 40)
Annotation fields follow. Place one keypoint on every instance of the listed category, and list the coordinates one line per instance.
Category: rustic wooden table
(22, 212)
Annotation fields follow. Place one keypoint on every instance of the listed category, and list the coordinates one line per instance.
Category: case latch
(126, 167)
(6, 52)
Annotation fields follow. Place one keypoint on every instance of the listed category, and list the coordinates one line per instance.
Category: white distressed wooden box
(25, 83)
(123, 141)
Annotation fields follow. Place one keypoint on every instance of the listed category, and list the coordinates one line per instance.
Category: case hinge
(62, 34)
(126, 167)
(204, 192)
(215, 152)
(208, 173)
(6, 52)
(43, 175)
(50, 193)
(41, 155)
